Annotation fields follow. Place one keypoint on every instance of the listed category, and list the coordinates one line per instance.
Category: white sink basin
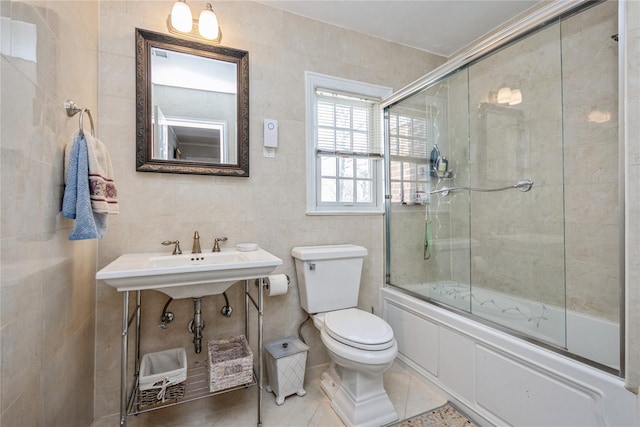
(187, 275)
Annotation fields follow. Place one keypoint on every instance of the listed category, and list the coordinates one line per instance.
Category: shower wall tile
(592, 205)
(575, 185)
(632, 208)
(519, 242)
(268, 207)
(47, 293)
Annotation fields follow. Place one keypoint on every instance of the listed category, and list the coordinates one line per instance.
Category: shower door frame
(505, 35)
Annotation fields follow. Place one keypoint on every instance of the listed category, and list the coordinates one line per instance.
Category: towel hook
(73, 109)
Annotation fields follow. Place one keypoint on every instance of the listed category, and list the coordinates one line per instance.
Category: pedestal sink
(187, 275)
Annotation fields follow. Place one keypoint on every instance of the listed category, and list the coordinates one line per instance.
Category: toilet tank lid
(315, 253)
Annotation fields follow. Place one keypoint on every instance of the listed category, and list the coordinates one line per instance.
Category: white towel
(102, 188)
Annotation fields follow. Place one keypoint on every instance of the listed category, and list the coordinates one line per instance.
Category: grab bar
(524, 186)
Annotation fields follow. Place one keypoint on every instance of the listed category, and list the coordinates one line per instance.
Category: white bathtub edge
(612, 404)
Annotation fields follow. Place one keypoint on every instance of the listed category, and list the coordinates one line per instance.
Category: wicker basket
(162, 376)
(151, 396)
(230, 363)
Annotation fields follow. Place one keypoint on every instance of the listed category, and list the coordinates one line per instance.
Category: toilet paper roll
(277, 284)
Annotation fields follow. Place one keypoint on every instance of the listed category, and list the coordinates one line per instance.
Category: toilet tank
(328, 276)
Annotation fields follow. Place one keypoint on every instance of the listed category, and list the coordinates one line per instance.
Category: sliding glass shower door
(429, 235)
(516, 132)
(504, 188)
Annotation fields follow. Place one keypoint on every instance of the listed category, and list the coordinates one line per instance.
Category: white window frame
(421, 179)
(314, 81)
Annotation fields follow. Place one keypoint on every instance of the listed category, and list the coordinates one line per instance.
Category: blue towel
(76, 203)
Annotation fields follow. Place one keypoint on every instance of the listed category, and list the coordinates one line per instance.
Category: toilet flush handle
(312, 266)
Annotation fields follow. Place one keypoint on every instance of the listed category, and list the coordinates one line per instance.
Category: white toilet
(360, 344)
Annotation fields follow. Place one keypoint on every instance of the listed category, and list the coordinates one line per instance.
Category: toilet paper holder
(266, 284)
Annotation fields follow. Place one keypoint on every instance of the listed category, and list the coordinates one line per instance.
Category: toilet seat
(359, 329)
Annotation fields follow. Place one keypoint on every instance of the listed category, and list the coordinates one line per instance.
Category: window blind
(347, 125)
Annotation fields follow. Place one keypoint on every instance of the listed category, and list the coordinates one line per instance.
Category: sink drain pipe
(197, 324)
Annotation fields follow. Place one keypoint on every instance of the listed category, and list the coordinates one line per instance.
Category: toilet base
(330, 380)
(361, 400)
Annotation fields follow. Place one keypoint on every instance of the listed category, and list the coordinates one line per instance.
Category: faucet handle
(176, 248)
(216, 243)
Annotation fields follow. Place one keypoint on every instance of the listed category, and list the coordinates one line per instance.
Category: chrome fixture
(205, 28)
(197, 324)
(176, 248)
(216, 243)
(73, 109)
(196, 244)
(227, 309)
(167, 316)
(524, 186)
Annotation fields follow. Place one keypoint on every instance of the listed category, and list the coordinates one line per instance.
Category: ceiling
(441, 27)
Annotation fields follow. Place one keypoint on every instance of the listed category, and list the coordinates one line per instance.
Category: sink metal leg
(134, 387)
(246, 309)
(259, 307)
(260, 363)
(123, 360)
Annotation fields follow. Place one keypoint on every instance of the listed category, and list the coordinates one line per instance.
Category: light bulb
(516, 97)
(208, 23)
(181, 18)
(504, 94)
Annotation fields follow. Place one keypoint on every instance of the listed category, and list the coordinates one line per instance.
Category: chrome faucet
(196, 244)
(176, 248)
(216, 243)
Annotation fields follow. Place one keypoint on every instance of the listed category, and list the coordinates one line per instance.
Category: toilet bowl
(363, 348)
(360, 344)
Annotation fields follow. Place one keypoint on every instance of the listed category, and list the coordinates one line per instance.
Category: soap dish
(247, 247)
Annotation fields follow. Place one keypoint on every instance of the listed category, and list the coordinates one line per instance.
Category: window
(408, 157)
(411, 135)
(344, 146)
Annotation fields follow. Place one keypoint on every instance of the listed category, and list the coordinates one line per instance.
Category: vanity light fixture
(506, 95)
(208, 23)
(181, 18)
(516, 97)
(181, 22)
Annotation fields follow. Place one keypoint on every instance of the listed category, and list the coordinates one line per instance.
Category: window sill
(345, 213)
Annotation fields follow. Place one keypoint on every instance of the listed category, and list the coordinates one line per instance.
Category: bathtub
(498, 378)
(543, 322)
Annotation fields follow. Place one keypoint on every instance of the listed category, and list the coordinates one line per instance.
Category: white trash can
(286, 364)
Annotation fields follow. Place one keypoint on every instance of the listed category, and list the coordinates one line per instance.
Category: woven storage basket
(230, 363)
(150, 397)
(162, 376)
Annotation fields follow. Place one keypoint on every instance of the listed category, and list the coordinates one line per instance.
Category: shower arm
(524, 186)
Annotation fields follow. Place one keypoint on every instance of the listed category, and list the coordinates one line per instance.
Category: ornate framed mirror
(192, 107)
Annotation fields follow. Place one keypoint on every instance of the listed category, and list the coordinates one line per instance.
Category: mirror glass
(192, 107)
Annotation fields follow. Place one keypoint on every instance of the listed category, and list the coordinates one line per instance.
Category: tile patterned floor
(409, 395)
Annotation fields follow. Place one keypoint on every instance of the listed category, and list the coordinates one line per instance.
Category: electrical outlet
(269, 152)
